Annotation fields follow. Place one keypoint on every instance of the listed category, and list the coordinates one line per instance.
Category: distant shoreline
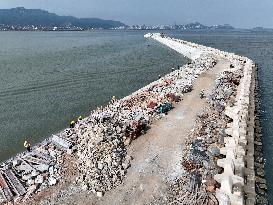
(146, 30)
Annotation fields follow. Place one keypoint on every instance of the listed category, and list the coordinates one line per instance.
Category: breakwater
(239, 180)
(99, 142)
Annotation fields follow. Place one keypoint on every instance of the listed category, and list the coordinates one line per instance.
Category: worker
(72, 124)
(113, 99)
(202, 94)
(27, 145)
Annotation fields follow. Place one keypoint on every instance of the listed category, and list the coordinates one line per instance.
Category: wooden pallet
(27, 166)
(18, 188)
(2, 196)
(42, 156)
(35, 160)
(6, 192)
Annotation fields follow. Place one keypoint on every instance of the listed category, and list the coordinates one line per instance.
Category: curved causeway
(187, 138)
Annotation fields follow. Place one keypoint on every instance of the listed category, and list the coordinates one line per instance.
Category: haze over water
(48, 78)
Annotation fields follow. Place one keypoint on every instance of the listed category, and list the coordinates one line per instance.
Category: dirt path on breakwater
(157, 155)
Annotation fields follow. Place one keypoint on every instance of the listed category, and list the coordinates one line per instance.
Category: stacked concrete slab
(33, 171)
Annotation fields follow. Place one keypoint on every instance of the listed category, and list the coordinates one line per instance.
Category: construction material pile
(205, 141)
(103, 136)
(99, 140)
(33, 171)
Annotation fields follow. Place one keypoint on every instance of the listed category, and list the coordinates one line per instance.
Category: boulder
(41, 167)
(39, 179)
(99, 194)
(52, 181)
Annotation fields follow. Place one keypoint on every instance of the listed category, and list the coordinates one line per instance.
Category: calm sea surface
(48, 78)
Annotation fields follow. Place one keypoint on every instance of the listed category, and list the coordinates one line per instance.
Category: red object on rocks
(173, 97)
(152, 104)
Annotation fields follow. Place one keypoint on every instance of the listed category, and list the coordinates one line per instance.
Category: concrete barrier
(233, 178)
(238, 177)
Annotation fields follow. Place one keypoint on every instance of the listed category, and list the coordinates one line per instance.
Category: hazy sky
(239, 13)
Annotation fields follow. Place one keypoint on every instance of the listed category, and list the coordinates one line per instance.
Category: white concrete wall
(180, 46)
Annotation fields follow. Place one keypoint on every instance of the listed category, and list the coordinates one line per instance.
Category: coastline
(70, 138)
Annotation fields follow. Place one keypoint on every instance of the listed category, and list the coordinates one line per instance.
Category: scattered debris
(99, 142)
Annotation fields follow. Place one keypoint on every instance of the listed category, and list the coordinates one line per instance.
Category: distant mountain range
(24, 19)
(36, 19)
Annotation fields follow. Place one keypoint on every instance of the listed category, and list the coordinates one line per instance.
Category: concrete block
(61, 142)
